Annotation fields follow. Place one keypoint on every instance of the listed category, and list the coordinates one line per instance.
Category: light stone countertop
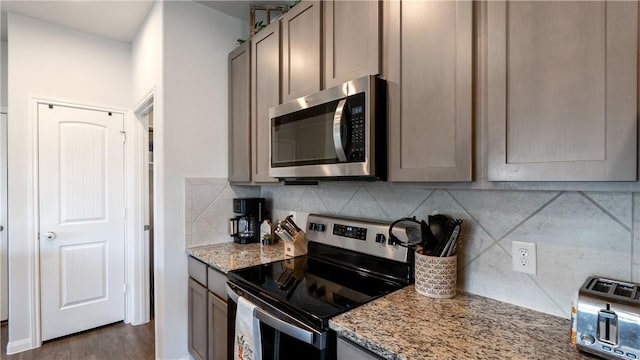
(231, 256)
(407, 325)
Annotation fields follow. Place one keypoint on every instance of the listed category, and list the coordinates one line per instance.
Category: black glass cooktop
(312, 288)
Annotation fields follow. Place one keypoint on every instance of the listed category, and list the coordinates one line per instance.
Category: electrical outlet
(524, 257)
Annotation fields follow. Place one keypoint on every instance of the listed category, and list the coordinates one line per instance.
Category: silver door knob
(1, 228)
(50, 235)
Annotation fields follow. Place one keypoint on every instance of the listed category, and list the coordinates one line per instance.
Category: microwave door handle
(337, 135)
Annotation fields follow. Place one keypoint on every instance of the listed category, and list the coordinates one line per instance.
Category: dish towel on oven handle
(247, 344)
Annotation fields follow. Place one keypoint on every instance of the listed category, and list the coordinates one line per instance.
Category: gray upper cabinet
(428, 59)
(265, 93)
(240, 114)
(301, 50)
(562, 90)
(351, 40)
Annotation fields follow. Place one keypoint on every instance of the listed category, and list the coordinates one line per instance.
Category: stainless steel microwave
(336, 133)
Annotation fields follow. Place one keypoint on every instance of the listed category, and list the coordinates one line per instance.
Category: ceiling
(117, 20)
(114, 19)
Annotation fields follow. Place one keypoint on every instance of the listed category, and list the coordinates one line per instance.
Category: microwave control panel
(357, 113)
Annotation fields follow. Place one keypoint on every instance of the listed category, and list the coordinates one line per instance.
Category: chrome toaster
(606, 319)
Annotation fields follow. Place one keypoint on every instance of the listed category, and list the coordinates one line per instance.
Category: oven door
(283, 337)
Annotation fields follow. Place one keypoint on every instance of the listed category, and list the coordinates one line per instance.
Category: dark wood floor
(116, 341)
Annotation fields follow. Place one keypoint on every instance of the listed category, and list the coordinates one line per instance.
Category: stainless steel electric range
(349, 262)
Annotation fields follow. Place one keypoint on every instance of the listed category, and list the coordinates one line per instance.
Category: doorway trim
(4, 206)
(34, 267)
(138, 279)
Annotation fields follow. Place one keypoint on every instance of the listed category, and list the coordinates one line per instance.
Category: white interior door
(81, 183)
(4, 271)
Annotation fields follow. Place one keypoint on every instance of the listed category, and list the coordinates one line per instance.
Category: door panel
(83, 273)
(240, 114)
(350, 57)
(428, 66)
(562, 90)
(301, 50)
(4, 279)
(82, 182)
(81, 188)
(265, 93)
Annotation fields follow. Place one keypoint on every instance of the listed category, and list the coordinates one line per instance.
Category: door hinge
(124, 136)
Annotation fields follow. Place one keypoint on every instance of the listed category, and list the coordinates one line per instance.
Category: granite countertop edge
(229, 256)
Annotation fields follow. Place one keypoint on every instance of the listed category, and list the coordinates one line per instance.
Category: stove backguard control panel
(353, 232)
(365, 236)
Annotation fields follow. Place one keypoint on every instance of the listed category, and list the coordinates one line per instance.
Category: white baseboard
(15, 347)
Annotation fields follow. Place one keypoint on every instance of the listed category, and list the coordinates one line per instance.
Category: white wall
(193, 136)
(48, 61)
(147, 67)
(3, 73)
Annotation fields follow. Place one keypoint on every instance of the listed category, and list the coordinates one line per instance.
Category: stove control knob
(317, 227)
(381, 239)
(587, 339)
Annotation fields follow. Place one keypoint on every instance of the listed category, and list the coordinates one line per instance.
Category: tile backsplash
(209, 207)
(577, 234)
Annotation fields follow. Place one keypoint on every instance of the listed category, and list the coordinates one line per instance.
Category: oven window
(304, 137)
(280, 346)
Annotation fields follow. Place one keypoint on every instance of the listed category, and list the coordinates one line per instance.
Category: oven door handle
(295, 332)
(284, 327)
(337, 134)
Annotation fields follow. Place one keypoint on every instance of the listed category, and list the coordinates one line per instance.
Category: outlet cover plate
(524, 257)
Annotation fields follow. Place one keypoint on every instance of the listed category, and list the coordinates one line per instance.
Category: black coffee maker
(245, 228)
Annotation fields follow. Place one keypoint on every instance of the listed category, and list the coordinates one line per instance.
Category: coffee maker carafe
(245, 228)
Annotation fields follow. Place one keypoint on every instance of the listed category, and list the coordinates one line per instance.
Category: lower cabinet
(217, 341)
(197, 320)
(349, 351)
(207, 312)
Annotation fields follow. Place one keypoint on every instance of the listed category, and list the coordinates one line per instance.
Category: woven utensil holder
(435, 276)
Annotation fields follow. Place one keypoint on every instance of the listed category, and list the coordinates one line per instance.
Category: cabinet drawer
(217, 283)
(197, 270)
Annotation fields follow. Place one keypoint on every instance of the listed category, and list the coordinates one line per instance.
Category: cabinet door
(358, 54)
(240, 114)
(428, 60)
(265, 93)
(197, 321)
(301, 50)
(562, 90)
(347, 350)
(217, 328)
